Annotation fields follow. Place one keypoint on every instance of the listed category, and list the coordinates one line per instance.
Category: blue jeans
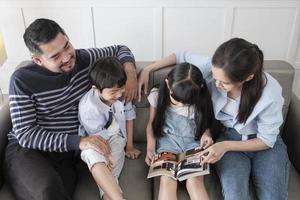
(269, 170)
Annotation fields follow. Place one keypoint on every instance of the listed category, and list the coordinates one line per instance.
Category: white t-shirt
(114, 128)
(187, 111)
(231, 107)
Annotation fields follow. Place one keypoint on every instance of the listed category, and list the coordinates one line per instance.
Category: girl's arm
(150, 136)
(144, 75)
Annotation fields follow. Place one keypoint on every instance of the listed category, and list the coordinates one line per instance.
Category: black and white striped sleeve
(26, 129)
(122, 52)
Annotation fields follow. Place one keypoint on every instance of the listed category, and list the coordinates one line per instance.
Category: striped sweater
(44, 104)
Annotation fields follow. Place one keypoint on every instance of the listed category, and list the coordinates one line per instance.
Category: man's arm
(131, 83)
(126, 58)
(30, 135)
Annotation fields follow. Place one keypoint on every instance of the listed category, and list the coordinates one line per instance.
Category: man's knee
(51, 188)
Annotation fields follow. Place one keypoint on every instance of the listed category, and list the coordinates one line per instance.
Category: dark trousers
(36, 175)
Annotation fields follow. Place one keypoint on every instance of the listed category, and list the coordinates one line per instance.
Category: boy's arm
(130, 115)
(131, 151)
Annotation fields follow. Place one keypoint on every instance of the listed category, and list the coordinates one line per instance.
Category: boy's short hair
(107, 73)
(41, 31)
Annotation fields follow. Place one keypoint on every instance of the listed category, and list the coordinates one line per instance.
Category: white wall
(155, 28)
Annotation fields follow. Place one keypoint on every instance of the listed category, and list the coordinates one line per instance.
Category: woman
(248, 102)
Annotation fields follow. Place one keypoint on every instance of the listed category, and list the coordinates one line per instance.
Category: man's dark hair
(107, 72)
(41, 31)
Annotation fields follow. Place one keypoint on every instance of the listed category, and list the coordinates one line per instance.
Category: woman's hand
(213, 153)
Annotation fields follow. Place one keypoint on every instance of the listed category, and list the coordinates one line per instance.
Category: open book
(178, 166)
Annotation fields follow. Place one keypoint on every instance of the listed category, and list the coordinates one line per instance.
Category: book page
(191, 165)
(189, 153)
(163, 164)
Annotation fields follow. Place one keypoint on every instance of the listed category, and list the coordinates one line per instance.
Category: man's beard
(62, 66)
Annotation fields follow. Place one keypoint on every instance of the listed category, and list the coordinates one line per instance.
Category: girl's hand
(206, 140)
(149, 156)
(132, 152)
(213, 153)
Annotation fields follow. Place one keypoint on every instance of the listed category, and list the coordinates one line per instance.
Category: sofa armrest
(291, 134)
(5, 127)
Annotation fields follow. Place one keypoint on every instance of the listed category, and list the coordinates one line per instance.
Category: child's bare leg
(196, 188)
(106, 181)
(167, 188)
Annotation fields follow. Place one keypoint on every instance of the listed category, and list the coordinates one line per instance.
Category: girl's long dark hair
(187, 86)
(239, 59)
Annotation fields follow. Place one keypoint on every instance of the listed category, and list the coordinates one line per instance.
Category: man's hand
(131, 83)
(132, 152)
(95, 142)
(143, 83)
(111, 162)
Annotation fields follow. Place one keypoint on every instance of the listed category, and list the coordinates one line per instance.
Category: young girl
(184, 115)
(248, 102)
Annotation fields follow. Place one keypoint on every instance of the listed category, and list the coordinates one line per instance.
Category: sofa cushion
(5, 124)
(132, 180)
(213, 187)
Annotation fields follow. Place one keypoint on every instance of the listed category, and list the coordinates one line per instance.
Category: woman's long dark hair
(187, 86)
(239, 59)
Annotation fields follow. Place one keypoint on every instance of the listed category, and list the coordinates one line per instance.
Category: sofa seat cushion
(213, 187)
(132, 180)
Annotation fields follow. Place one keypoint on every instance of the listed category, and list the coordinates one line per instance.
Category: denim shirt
(94, 114)
(266, 117)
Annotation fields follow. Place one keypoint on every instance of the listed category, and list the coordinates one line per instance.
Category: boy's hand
(149, 156)
(206, 141)
(132, 152)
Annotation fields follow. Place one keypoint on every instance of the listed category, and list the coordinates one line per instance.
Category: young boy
(102, 112)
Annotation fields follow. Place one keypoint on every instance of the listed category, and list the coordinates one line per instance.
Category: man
(44, 96)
